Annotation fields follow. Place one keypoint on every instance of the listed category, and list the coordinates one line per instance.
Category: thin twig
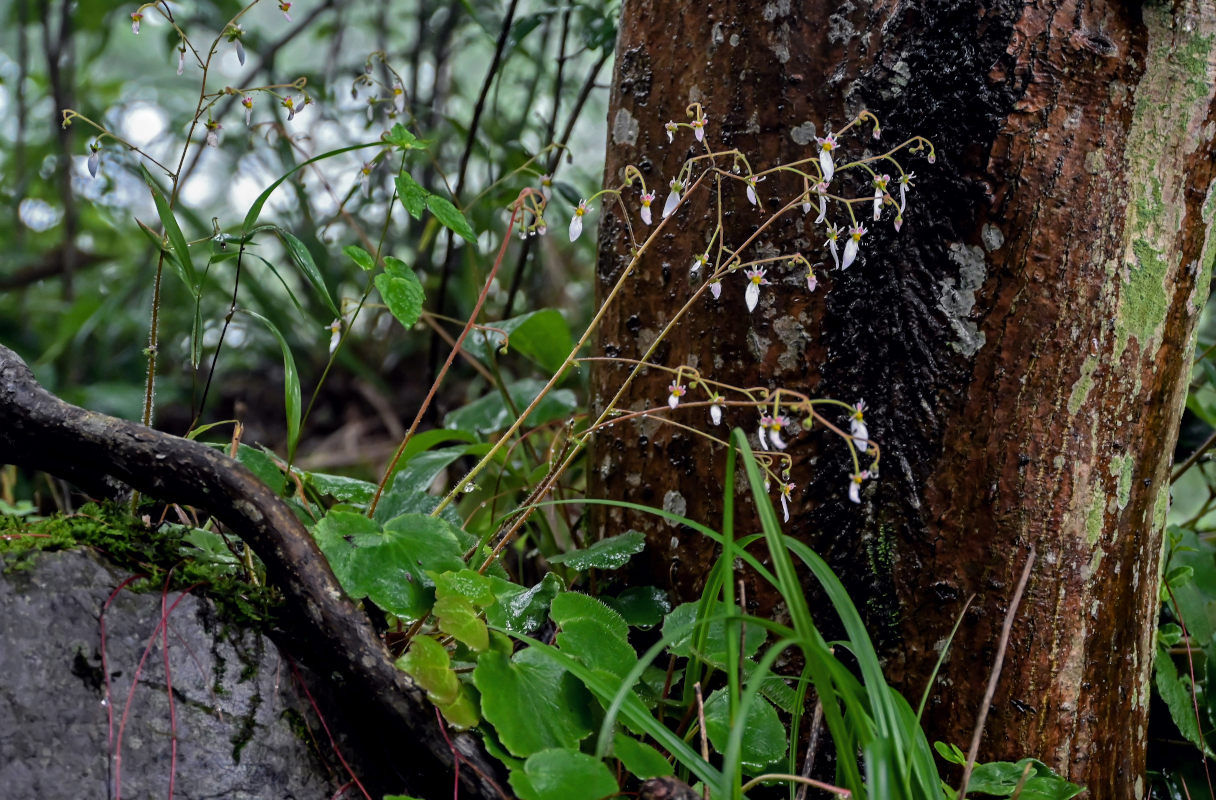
(1193, 457)
(996, 674)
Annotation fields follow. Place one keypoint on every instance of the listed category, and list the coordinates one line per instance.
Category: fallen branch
(40, 431)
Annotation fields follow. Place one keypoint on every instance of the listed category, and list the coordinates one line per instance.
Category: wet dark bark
(1023, 343)
(39, 431)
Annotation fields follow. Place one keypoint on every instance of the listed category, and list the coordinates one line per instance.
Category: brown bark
(1023, 343)
(40, 431)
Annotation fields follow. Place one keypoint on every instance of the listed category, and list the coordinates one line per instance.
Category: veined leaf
(610, 553)
(563, 774)
(451, 218)
(412, 195)
(360, 256)
(291, 386)
(401, 290)
(179, 251)
(532, 702)
(304, 261)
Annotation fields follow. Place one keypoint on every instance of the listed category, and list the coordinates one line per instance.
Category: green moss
(156, 554)
(1097, 515)
(1143, 304)
(1080, 389)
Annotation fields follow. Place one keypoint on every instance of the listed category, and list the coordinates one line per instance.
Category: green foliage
(401, 290)
(610, 553)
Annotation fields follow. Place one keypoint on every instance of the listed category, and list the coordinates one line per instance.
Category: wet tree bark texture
(1023, 344)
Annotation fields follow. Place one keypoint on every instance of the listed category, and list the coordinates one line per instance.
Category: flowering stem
(557, 376)
(426, 402)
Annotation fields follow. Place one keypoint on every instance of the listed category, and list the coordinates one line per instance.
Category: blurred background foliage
(490, 85)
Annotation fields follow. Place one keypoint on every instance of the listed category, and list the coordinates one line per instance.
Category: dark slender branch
(51, 264)
(449, 259)
(1193, 457)
(554, 161)
(40, 431)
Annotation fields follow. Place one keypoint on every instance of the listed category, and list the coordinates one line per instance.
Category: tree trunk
(1022, 344)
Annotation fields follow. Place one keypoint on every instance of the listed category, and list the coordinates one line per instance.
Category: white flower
(715, 409)
(677, 391)
(762, 432)
(285, 7)
(850, 247)
(698, 262)
(290, 104)
(752, 180)
(698, 128)
(880, 192)
(647, 199)
(811, 280)
(247, 102)
(365, 178)
(670, 127)
(213, 133)
(786, 488)
(335, 335)
(673, 199)
(857, 427)
(135, 18)
(774, 430)
(181, 60)
(715, 288)
(546, 186)
(821, 189)
(576, 222)
(833, 235)
(826, 145)
(855, 485)
(755, 279)
(398, 97)
(94, 158)
(905, 182)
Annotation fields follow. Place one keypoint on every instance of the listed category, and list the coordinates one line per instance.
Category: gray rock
(64, 733)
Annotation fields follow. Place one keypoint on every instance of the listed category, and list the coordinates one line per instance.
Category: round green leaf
(563, 775)
(765, 739)
(532, 703)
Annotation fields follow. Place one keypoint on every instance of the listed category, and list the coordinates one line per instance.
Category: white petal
(715, 414)
(763, 438)
(673, 200)
(646, 215)
(672, 401)
(778, 442)
(715, 289)
(823, 209)
(752, 295)
(877, 204)
(850, 253)
(785, 506)
(751, 195)
(861, 436)
(827, 165)
(576, 226)
(854, 491)
(835, 253)
(699, 132)
(94, 162)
